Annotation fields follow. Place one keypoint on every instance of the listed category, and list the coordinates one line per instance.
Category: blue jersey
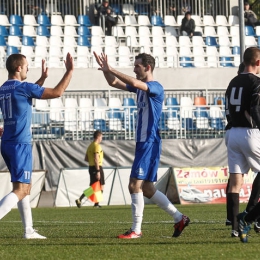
(149, 109)
(16, 106)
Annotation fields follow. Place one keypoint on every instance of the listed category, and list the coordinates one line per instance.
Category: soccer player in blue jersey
(16, 105)
(150, 98)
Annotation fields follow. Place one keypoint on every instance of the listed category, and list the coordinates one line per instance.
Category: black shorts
(93, 175)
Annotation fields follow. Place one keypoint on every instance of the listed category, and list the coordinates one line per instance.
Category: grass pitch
(89, 233)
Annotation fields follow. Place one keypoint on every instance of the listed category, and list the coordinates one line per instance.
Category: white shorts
(243, 147)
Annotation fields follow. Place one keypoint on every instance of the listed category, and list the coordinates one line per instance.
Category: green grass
(89, 233)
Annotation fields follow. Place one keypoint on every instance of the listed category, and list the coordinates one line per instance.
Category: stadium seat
(70, 20)
(130, 20)
(43, 19)
(235, 41)
(197, 20)
(157, 20)
(200, 101)
(143, 20)
(29, 30)
(97, 41)
(186, 62)
(234, 30)
(144, 31)
(128, 9)
(185, 51)
(111, 41)
(236, 50)
(118, 32)
(184, 41)
(56, 30)
(179, 19)
(221, 20)
(85, 114)
(2, 41)
(211, 41)
(117, 8)
(215, 111)
(100, 124)
(162, 122)
(222, 31)
(56, 110)
(3, 31)
(83, 41)
(171, 41)
(41, 104)
(55, 41)
(250, 41)
(257, 30)
(84, 20)
(198, 51)
(55, 62)
(197, 41)
(142, 8)
(158, 41)
(226, 62)
(84, 31)
(233, 20)
(4, 20)
(41, 52)
(209, 31)
(172, 56)
(27, 41)
(224, 41)
(11, 50)
(100, 102)
(172, 103)
(157, 31)
(208, 20)
(69, 41)
(201, 111)
(198, 31)
(16, 20)
(249, 31)
(97, 31)
(159, 55)
(173, 122)
(188, 124)
(29, 19)
(212, 55)
(15, 30)
(169, 30)
(144, 41)
(169, 20)
(71, 114)
(14, 41)
(41, 41)
(42, 30)
(128, 102)
(70, 31)
(55, 51)
(57, 20)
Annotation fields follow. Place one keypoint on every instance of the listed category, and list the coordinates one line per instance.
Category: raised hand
(44, 70)
(69, 63)
(102, 62)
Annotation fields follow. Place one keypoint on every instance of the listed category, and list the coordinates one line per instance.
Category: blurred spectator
(187, 25)
(250, 16)
(185, 7)
(105, 13)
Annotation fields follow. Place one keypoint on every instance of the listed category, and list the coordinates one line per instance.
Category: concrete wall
(179, 78)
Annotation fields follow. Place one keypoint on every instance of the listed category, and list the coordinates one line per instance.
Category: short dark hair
(187, 13)
(246, 3)
(147, 59)
(13, 62)
(96, 134)
(251, 55)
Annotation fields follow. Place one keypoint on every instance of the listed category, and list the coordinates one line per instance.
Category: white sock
(162, 201)
(137, 211)
(26, 214)
(7, 203)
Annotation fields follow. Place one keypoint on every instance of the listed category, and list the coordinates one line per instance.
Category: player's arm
(96, 160)
(86, 158)
(63, 84)
(44, 74)
(116, 78)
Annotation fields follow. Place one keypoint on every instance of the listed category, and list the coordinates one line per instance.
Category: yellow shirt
(92, 149)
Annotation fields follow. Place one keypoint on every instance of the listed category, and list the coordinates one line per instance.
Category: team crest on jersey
(140, 171)
(141, 104)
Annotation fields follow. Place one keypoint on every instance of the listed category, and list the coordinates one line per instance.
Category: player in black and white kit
(243, 114)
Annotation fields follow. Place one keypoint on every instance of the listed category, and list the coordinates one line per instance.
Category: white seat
(111, 41)
(169, 30)
(100, 102)
(250, 41)
(56, 30)
(29, 30)
(172, 56)
(199, 62)
(225, 51)
(71, 118)
(173, 123)
(143, 20)
(70, 103)
(51, 8)
(69, 41)
(56, 107)
(208, 20)
(198, 51)
(199, 29)
(186, 112)
(186, 102)
(70, 30)
(130, 20)
(97, 41)
(212, 56)
(222, 30)
(115, 124)
(83, 62)
(179, 19)
(57, 20)
(221, 20)
(224, 41)
(110, 51)
(114, 103)
(55, 51)
(27, 51)
(257, 30)
(184, 51)
(97, 31)
(41, 104)
(124, 50)
(144, 31)
(14, 41)
(157, 31)
(55, 62)
(159, 55)
(233, 20)
(118, 31)
(202, 123)
(124, 54)
(70, 20)
(236, 60)
(55, 41)
(209, 31)
(128, 9)
(158, 41)
(41, 41)
(215, 112)
(131, 41)
(124, 62)
(4, 20)
(83, 51)
(235, 41)
(211, 51)
(85, 102)
(41, 52)
(145, 49)
(29, 19)
(130, 30)
(234, 30)
(184, 41)
(197, 41)
(197, 20)
(171, 41)
(69, 49)
(169, 20)
(144, 41)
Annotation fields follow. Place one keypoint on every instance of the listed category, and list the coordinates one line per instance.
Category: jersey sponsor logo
(141, 104)
(140, 171)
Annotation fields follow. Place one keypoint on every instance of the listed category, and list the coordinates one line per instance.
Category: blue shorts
(147, 158)
(18, 159)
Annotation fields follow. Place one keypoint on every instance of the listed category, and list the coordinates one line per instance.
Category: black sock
(81, 197)
(233, 200)
(253, 214)
(228, 207)
(254, 197)
(96, 204)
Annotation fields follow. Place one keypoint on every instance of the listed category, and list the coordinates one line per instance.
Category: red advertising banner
(208, 185)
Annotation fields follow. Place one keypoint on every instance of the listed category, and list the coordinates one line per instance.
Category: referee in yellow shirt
(94, 156)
